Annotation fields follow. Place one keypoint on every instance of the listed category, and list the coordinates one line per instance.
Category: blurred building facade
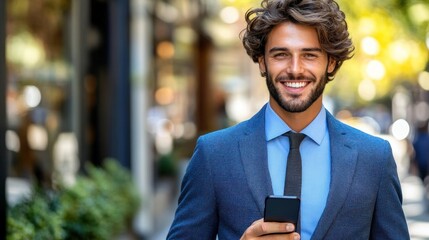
(138, 81)
(3, 124)
(130, 80)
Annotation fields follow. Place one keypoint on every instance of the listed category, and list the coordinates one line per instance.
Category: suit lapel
(253, 151)
(343, 164)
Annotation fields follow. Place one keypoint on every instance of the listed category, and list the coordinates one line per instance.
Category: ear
(331, 65)
(261, 62)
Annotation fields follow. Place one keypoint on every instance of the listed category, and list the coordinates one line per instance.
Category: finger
(260, 228)
(283, 236)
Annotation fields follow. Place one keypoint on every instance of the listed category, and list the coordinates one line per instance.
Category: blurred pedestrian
(421, 150)
(350, 186)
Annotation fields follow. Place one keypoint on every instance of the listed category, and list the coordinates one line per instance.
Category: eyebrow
(281, 49)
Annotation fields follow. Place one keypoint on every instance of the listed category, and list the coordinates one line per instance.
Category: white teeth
(295, 84)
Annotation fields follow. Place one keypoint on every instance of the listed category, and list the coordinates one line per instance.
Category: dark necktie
(294, 166)
(293, 179)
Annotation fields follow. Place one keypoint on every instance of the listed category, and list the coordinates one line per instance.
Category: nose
(295, 65)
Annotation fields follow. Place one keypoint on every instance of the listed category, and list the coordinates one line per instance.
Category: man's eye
(310, 56)
(280, 55)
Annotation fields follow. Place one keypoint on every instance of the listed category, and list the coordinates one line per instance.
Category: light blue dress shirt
(316, 165)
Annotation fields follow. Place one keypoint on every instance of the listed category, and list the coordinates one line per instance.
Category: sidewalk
(416, 207)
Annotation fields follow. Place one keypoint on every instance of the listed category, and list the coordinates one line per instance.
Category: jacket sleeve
(196, 215)
(388, 219)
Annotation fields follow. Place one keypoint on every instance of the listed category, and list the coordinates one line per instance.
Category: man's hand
(270, 230)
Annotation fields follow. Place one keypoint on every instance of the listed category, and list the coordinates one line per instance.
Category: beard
(296, 105)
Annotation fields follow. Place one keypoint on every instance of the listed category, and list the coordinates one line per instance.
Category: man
(421, 146)
(350, 187)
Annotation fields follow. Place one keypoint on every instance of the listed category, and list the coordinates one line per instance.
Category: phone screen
(282, 209)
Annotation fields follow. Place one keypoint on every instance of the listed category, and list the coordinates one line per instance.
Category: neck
(297, 121)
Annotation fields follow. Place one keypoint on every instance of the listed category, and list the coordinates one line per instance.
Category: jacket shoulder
(228, 134)
(254, 126)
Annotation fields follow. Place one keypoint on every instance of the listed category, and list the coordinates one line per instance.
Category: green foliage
(99, 206)
(100, 203)
(35, 218)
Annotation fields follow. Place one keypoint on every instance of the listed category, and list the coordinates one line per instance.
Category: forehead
(292, 36)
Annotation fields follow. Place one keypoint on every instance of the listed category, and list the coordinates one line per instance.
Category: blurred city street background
(103, 100)
(416, 207)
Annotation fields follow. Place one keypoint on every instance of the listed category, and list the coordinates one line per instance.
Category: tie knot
(295, 139)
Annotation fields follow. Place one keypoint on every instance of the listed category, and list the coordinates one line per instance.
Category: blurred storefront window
(39, 88)
(203, 79)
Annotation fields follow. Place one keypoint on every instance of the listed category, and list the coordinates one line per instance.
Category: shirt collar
(275, 126)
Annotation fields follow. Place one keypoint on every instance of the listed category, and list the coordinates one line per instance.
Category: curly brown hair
(324, 15)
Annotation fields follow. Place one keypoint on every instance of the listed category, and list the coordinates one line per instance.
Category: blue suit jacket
(227, 180)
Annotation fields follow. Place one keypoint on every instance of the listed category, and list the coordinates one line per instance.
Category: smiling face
(295, 67)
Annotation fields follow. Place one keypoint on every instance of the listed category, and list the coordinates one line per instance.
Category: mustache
(292, 77)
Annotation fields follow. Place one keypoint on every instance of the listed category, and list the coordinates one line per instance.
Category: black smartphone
(282, 209)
